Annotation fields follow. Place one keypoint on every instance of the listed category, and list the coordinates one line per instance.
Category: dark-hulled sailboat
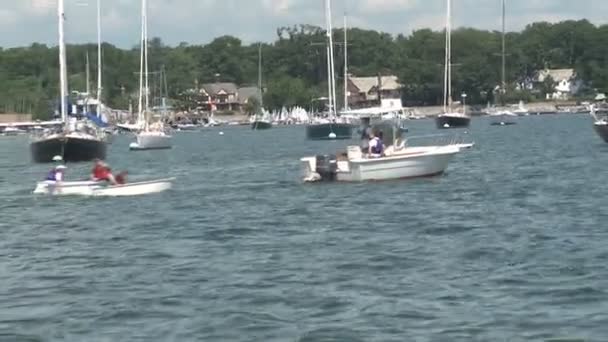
(77, 140)
(450, 118)
(260, 122)
(330, 128)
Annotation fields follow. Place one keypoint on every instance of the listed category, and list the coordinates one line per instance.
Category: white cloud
(199, 21)
(387, 5)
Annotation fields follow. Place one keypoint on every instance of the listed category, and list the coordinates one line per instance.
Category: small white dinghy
(89, 188)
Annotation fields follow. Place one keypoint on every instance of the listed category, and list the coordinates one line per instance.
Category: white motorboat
(599, 112)
(408, 162)
(90, 188)
(10, 130)
(187, 127)
(503, 118)
(151, 140)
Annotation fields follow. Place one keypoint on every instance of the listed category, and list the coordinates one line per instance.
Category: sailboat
(260, 122)
(77, 140)
(503, 117)
(330, 128)
(450, 118)
(151, 136)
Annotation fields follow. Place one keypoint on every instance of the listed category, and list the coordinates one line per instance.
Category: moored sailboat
(450, 118)
(260, 120)
(503, 117)
(151, 136)
(332, 127)
(77, 140)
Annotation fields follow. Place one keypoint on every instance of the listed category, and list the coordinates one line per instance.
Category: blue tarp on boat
(96, 120)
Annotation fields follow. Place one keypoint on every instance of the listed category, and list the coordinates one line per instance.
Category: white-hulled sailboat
(151, 136)
(77, 140)
(503, 117)
(450, 118)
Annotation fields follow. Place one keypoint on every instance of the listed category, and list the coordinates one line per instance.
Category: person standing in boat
(376, 145)
(56, 174)
(366, 131)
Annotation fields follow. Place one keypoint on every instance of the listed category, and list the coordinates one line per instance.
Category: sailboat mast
(329, 98)
(332, 74)
(449, 56)
(140, 113)
(260, 76)
(503, 79)
(329, 93)
(99, 58)
(63, 79)
(345, 64)
(88, 77)
(146, 72)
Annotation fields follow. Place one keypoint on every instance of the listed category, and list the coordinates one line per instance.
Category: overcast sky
(23, 22)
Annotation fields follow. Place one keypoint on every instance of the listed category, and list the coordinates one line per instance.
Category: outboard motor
(327, 167)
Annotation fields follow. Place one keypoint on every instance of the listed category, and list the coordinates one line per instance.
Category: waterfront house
(220, 96)
(363, 91)
(565, 80)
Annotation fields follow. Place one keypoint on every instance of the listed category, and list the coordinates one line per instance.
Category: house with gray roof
(222, 96)
(363, 91)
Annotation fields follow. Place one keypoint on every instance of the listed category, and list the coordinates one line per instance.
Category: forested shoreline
(294, 66)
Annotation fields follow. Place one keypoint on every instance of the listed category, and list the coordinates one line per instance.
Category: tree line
(294, 64)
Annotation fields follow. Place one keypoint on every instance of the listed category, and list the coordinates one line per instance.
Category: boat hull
(100, 189)
(449, 121)
(261, 125)
(71, 148)
(602, 130)
(152, 141)
(409, 163)
(187, 127)
(341, 131)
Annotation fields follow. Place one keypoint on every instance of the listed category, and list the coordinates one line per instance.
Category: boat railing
(437, 139)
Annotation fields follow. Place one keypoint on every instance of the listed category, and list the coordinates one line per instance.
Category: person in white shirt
(56, 174)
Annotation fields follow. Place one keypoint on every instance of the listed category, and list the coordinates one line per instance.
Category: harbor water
(508, 245)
